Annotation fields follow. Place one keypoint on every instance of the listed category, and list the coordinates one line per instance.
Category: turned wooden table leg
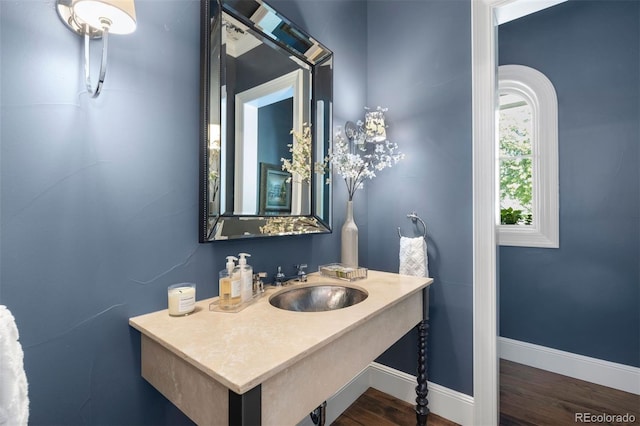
(422, 411)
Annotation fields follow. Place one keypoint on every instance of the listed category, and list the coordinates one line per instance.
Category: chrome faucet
(280, 278)
(302, 275)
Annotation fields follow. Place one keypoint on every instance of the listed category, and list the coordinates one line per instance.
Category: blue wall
(419, 64)
(99, 197)
(585, 296)
(274, 121)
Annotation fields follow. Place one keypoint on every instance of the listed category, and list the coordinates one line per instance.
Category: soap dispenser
(230, 286)
(246, 277)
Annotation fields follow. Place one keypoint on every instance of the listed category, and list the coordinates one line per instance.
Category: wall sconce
(373, 129)
(95, 19)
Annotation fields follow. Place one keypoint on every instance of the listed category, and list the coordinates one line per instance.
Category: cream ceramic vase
(349, 253)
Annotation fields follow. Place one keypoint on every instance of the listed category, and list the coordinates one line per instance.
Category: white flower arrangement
(300, 162)
(359, 156)
(280, 225)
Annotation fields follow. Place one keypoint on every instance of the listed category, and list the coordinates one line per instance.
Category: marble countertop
(241, 350)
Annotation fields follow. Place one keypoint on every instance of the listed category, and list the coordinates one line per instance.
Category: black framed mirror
(266, 100)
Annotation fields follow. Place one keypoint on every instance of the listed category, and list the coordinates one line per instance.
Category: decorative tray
(215, 305)
(343, 272)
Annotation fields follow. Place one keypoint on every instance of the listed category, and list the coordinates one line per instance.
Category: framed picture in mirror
(275, 189)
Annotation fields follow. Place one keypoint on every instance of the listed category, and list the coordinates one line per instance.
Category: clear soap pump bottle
(246, 277)
(230, 286)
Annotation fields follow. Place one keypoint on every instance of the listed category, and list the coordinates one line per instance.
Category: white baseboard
(605, 373)
(444, 402)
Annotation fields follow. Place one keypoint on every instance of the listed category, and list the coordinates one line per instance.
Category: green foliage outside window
(509, 216)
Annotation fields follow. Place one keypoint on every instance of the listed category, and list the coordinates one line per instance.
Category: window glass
(515, 160)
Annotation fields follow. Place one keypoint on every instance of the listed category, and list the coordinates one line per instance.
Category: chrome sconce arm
(103, 63)
(94, 19)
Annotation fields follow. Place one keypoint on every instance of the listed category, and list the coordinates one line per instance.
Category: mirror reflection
(267, 93)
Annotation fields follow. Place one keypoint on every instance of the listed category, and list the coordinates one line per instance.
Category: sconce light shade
(118, 15)
(374, 126)
(96, 19)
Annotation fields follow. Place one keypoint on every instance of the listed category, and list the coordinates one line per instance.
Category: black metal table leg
(246, 409)
(422, 411)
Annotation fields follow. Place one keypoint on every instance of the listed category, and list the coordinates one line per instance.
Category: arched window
(527, 158)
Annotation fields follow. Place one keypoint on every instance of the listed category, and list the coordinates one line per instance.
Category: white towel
(14, 399)
(413, 257)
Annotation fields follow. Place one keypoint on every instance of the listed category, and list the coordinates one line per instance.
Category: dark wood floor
(528, 396)
(375, 408)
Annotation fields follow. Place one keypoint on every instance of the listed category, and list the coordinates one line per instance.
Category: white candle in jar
(182, 298)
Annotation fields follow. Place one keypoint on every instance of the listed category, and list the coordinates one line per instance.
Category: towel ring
(415, 219)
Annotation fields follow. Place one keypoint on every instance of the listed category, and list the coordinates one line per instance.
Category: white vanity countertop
(241, 350)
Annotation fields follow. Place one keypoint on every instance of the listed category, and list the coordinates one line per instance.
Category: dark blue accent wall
(99, 206)
(584, 297)
(419, 66)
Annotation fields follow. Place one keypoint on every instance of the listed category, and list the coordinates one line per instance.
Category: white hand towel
(14, 399)
(413, 257)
